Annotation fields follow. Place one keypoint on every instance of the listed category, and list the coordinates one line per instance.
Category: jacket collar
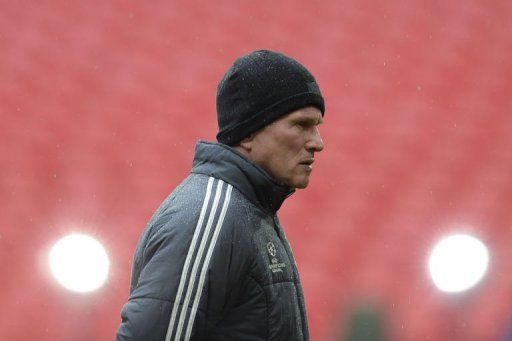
(223, 162)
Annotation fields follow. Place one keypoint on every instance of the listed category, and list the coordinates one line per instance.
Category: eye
(303, 124)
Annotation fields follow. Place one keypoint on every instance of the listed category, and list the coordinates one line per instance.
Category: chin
(296, 182)
(301, 184)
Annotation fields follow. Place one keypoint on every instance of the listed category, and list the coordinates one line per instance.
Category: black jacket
(213, 262)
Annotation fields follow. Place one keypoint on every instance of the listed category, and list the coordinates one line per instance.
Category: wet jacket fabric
(213, 262)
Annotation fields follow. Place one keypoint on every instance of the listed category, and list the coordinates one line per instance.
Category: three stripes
(197, 260)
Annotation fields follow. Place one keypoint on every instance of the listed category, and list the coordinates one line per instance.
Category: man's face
(286, 148)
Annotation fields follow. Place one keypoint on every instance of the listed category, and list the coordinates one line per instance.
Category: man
(213, 262)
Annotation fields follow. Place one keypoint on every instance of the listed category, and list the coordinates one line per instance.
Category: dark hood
(223, 162)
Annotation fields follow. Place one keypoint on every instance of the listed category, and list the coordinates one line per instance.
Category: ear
(247, 142)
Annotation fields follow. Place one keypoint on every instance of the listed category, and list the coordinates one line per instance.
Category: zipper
(298, 285)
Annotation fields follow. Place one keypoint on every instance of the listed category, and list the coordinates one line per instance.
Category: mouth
(308, 163)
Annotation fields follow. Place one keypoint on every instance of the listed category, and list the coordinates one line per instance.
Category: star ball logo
(275, 266)
(271, 249)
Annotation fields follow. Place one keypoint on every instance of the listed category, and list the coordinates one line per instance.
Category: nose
(315, 142)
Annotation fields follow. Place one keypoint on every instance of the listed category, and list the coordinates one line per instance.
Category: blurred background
(102, 102)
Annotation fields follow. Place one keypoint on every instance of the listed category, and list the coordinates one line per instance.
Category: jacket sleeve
(187, 279)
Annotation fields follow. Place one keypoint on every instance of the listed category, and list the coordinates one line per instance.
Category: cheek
(292, 148)
(280, 160)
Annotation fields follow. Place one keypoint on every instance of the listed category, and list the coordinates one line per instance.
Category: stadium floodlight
(79, 263)
(458, 262)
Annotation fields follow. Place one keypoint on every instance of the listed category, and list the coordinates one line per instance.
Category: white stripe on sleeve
(198, 259)
(207, 261)
(186, 266)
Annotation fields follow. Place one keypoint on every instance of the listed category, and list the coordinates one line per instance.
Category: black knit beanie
(258, 89)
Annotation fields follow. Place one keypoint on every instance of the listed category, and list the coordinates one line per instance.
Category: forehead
(308, 113)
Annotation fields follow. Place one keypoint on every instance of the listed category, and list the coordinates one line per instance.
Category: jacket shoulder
(206, 202)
